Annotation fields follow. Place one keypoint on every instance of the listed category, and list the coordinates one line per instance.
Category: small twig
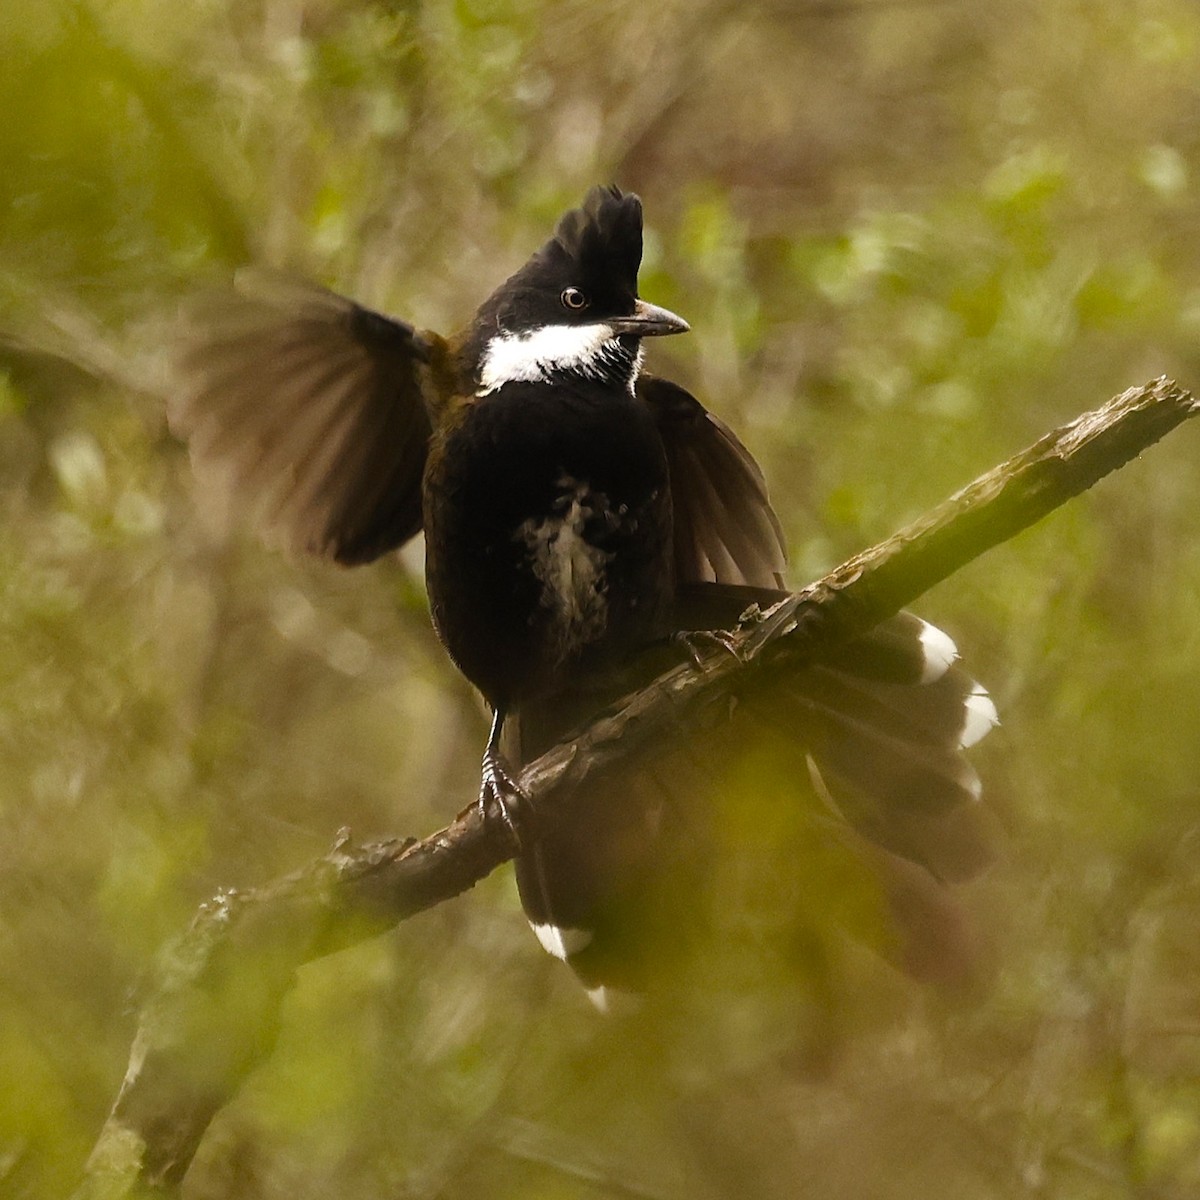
(220, 987)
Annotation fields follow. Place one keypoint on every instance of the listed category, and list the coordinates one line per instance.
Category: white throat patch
(592, 351)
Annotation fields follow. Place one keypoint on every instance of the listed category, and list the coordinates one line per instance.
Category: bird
(581, 518)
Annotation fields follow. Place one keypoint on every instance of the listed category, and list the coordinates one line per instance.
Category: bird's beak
(648, 320)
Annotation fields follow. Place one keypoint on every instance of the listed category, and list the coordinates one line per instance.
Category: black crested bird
(577, 513)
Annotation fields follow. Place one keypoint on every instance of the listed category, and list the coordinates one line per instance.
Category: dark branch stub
(206, 1026)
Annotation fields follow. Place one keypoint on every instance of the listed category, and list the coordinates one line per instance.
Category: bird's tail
(837, 796)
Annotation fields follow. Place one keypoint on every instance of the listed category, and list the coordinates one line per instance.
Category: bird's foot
(697, 641)
(499, 793)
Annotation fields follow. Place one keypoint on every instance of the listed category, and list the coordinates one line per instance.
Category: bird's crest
(603, 235)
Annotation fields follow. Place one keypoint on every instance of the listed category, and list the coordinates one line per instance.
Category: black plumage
(577, 513)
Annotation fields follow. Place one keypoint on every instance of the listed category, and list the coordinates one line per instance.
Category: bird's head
(573, 308)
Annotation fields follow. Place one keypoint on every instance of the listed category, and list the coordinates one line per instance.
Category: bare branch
(220, 987)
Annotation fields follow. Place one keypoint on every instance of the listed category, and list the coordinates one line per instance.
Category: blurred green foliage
(909, 238)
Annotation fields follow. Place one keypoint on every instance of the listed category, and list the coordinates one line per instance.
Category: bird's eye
(572, 297)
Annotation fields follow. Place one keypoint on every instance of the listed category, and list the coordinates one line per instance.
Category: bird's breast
(547, 517)
(566, 551)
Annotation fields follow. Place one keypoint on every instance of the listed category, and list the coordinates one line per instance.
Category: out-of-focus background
(909, 236)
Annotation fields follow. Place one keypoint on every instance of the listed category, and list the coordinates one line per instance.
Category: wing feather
(307, 412)
(725, 528)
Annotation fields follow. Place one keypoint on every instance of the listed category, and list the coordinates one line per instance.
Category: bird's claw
(697, 641)
(500, 793)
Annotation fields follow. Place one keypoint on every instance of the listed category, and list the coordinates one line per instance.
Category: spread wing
(305, 411)
(725, 529)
